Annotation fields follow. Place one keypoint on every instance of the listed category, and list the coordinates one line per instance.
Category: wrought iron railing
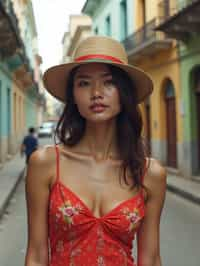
(144, 34)
(168, 8)
(9, 10)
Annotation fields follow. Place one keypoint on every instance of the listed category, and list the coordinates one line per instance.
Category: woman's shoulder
(156, 175)
(44, 155)
(155, 168)
(40, 173)
(42, 163)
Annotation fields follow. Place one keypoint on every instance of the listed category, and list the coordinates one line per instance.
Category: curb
(4, 205)
(184, 194)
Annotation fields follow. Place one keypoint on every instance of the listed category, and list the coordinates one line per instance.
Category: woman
(88, 196)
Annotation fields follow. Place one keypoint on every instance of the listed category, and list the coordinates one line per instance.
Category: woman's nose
(97, 89)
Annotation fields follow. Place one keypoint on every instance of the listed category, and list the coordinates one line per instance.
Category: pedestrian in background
(29, 144)
(91, 194)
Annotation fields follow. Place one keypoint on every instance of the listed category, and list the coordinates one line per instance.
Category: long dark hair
(131, 145)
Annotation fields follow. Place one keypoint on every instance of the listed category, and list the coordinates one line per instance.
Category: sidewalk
(12, 172)
(183, 187)
(10, 175)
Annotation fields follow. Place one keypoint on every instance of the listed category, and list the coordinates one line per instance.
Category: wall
(31, 112)
(162, 65)
(189, 59)
(5, 112)
(112, 8)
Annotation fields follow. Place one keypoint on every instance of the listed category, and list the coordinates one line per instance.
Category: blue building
(19, 92)
(111, 18)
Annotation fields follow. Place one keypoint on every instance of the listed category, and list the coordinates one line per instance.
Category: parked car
(46, 129)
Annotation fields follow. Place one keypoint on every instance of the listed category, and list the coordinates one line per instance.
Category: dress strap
(57, 163)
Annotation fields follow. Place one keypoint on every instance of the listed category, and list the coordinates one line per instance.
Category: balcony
(9, 33)
(24, 77)
(146, 42)
(90, 6)
(180, 22)
(12, 49)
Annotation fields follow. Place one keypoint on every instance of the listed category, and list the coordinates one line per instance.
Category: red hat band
(92, 57)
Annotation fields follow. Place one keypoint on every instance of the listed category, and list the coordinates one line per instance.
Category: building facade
(157, 54)
(80, 27)
(19, 91)
(111, 18)
(34, 97)
(183, 25)
(171, 120)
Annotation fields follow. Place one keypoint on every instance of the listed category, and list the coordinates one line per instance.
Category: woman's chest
(97, 185)
(68, 213)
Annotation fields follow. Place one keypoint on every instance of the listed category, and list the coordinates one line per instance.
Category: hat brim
(55, 79)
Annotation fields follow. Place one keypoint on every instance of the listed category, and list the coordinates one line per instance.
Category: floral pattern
(100, 261)
(69, 211)
(77, 237)
(133, 217)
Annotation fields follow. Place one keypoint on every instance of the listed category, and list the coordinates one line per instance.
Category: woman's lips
(98, 108)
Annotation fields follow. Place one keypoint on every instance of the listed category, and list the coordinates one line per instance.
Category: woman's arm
(148, 236)
(37, 194)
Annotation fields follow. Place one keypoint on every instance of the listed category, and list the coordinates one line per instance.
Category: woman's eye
(83, 83)
(109, 82)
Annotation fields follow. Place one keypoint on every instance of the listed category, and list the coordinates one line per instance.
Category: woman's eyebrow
(107, 74)
(83, 76)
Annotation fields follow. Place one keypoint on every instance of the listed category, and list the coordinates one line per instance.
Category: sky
(52, 18)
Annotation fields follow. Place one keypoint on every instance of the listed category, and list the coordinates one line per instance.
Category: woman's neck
(100, 140)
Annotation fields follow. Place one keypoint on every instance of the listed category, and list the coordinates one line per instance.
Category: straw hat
(96, 49)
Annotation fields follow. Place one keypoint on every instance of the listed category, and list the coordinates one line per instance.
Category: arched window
(169, 89)
(171, 140)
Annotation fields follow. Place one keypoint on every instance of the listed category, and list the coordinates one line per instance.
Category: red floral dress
(78, 238)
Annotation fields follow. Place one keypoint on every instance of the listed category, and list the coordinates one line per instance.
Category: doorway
(148, 126)
(170, 105)
(197, 111)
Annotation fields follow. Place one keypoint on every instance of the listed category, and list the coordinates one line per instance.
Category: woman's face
(95, 94)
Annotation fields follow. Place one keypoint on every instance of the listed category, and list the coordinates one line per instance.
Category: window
(0, 109)
(169, 89)
(196, 75)
(144, 11)
(8, 104)
(96, 31)
(15, 115)
(108, 26)
(123, 19)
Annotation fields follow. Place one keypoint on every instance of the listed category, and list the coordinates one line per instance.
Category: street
(180, 234)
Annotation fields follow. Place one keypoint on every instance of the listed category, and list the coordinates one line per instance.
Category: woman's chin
(100, 119)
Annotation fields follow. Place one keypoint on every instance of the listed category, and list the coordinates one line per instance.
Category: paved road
(13, 226)
(180, 232)
(13, 231)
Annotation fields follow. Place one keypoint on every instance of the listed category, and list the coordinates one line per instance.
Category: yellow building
(80, 27)
(157, 54)
(28, 103)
